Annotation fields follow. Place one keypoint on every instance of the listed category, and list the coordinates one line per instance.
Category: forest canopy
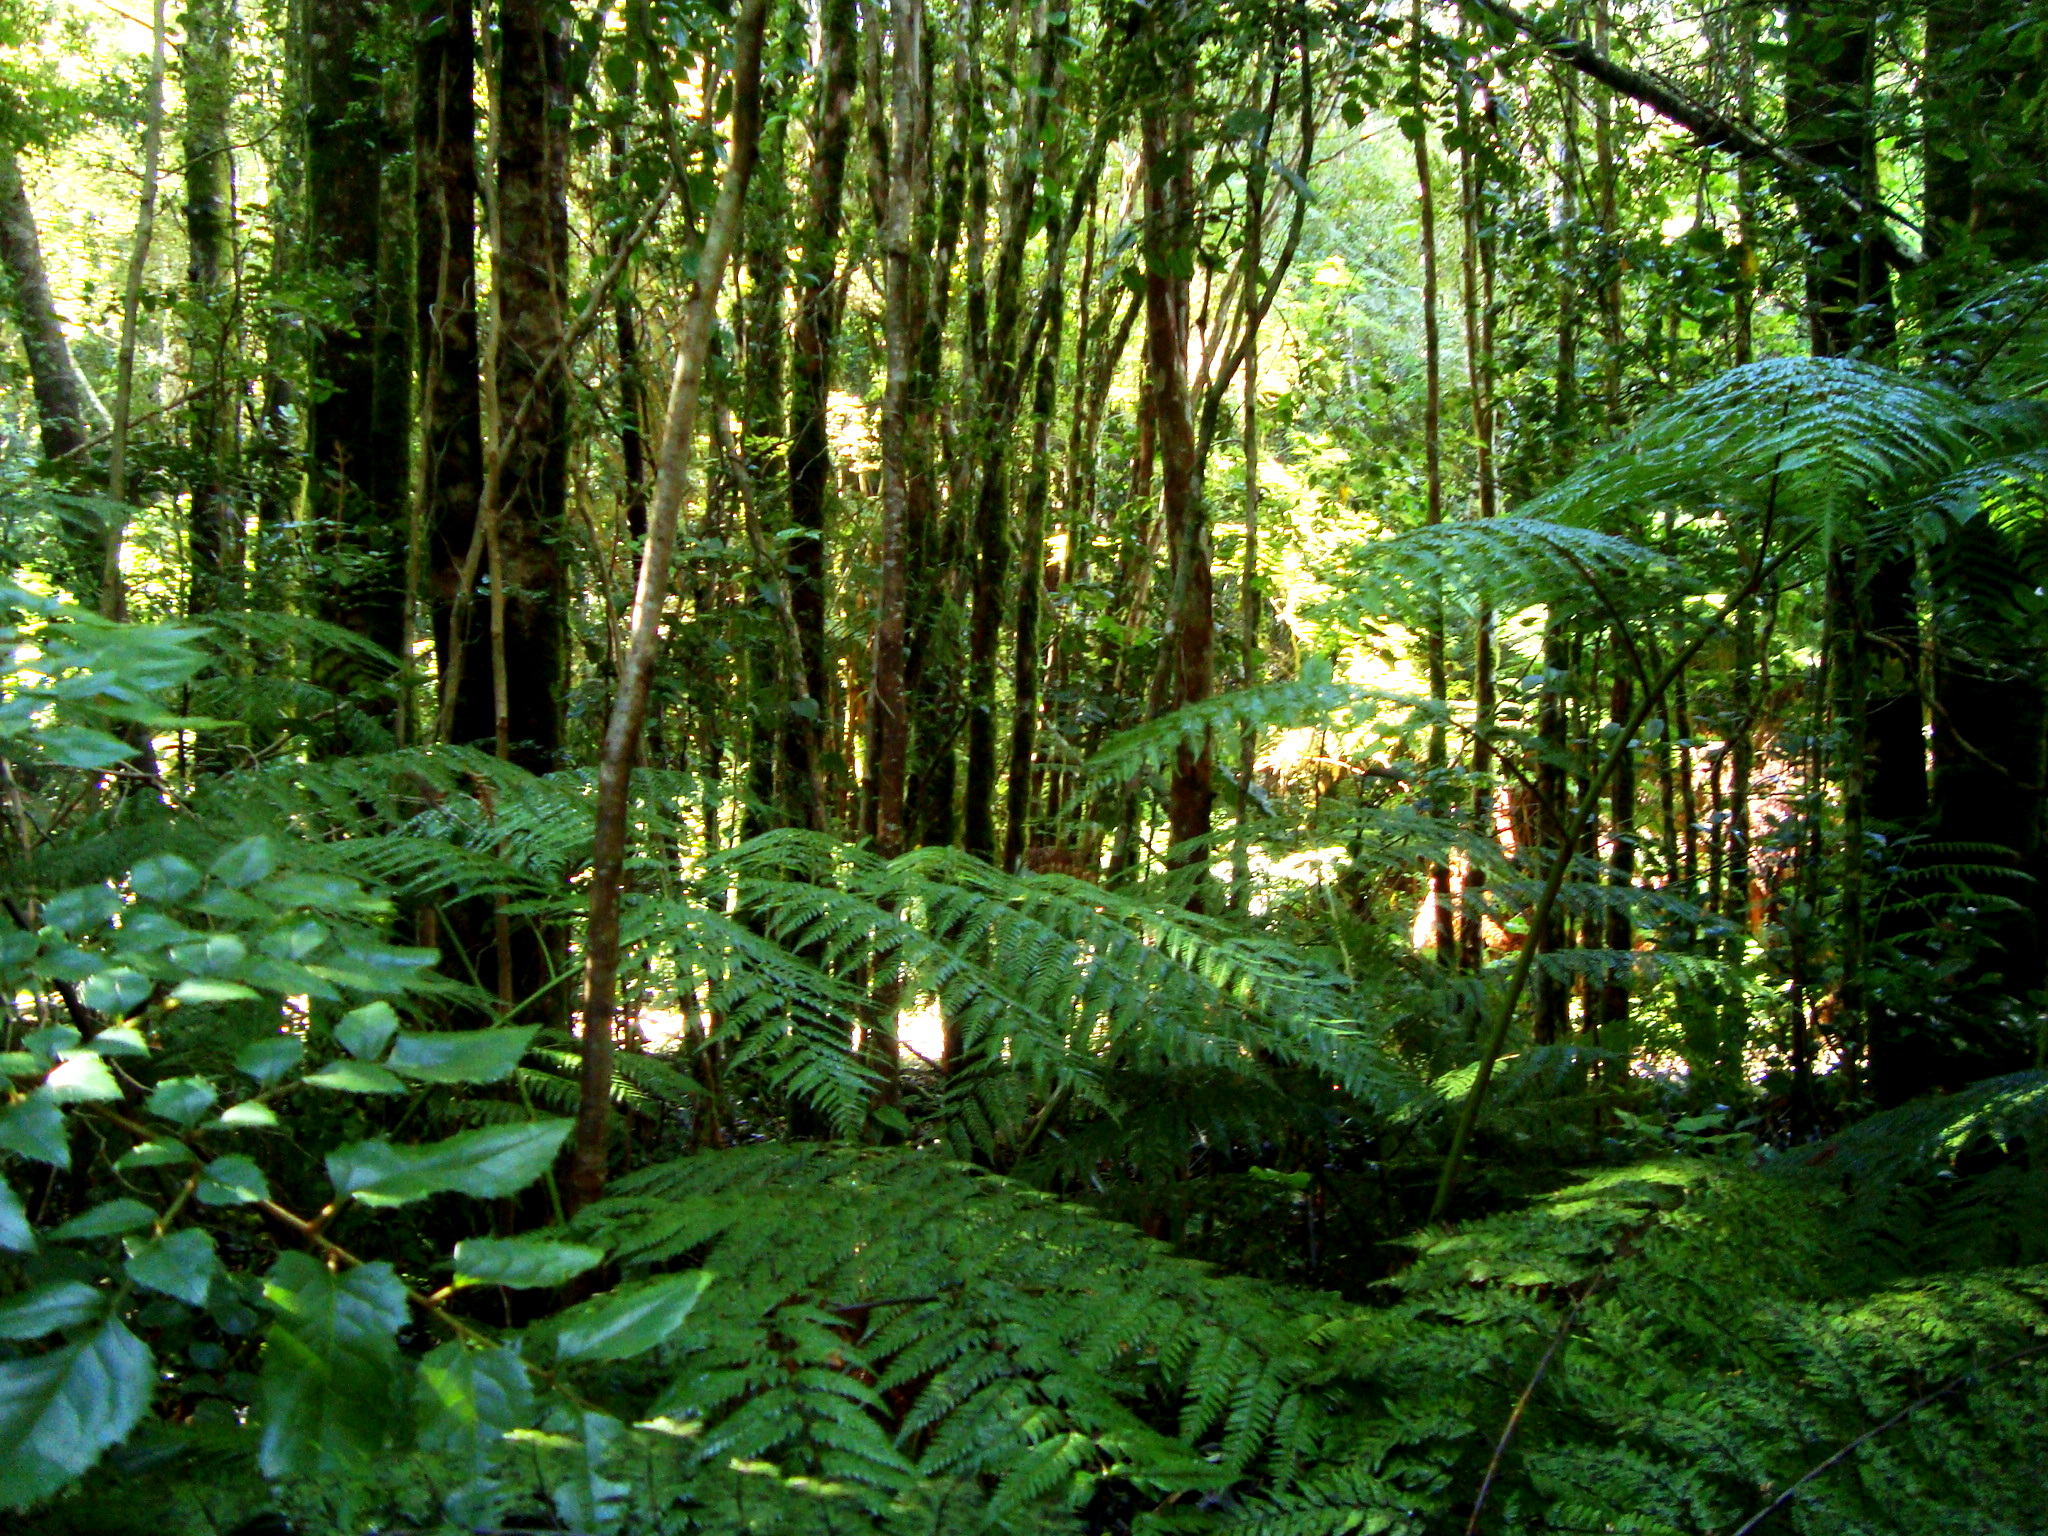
(934, 766)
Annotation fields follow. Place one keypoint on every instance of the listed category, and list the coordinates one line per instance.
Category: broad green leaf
(522, 1262)
(364, 1032)
(16, 1235)
(498, 1160)
(53, 1041)
(34, 1128)
(22, 1064)
(346, 1076)
(47, 1308)
(248, 1117)
(181, 1264)
(110, 1219)
(87, 906)
(460, 1056)
(232, 1180)
(629, 1321)
(295, 942)
(216, 955)
(164, 878)
(181, 1099)
(82, 1080)
(467, 1398)
(268, 1060)
(331, 1392)
(120, 1040)
(60, 1412)
(153, 1154)
(245, 863)
(115, 991)
(199, 992)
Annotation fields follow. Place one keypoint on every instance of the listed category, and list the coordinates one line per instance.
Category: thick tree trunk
(358, 474)
(1191, 623)
(529, 591)
(451, 401)
(63, 398)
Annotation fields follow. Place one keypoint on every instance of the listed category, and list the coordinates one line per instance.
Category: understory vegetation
(931, 768)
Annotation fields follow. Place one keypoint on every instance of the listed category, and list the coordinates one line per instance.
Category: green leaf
(629, 1321)
(522, 1262)
(365, 1032)
(201, 992)
(347, 1076)
(181, 1264)
(76, 746)
(60, 1411)
(115, 991)
(82, 1080)
(247, 1117)
(47, 1308)
(498, 1160)
(16, 1235)
(74, 911)
(216, 955)
(109, 1219)
(34, 1128)
(467, 1398)
(269, 1059)
(460, 1056)
(153, 1154)
(232, 1180)
(245, 863)
(330, 1390)
(164, 878)
(122, 1039)
(181, 1100)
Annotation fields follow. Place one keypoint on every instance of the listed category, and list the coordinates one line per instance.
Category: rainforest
(1023, 767)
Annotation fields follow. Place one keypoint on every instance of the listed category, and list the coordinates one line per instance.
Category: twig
(1850, 1449)
(1507, 1434)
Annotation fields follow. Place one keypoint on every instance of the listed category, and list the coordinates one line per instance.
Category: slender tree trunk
(113, 587)
(810, 452)
(1553, 844)
(1250, 605)
(1002, 383)
(1442, 923)
(1191, 628)
(1477, 275)
(637, 665)
(1031, 577)
(764, 452)
(1610, 1023)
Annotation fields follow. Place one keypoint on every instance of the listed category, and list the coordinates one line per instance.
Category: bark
(811, 350)
(1031, 580)
(637, 666)
(1443, 927)
(1190, 630)
(1006, 365)
(529, 586)
(356, 496)
(214, 524)
(763, 454)
(1610, 1017)
(63, 399)
(113, 590)
(1553, 846)
(1249, 603)
(888, 712)
(445, 290)
(1476, 273)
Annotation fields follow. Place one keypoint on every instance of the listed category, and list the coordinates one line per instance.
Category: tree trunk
(1191, 627)
(63, 398)
(637, 665)
(763, 451)
(1443, 927)
(810, 451)
(451, 402)
(529, 582)
(358, 474)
